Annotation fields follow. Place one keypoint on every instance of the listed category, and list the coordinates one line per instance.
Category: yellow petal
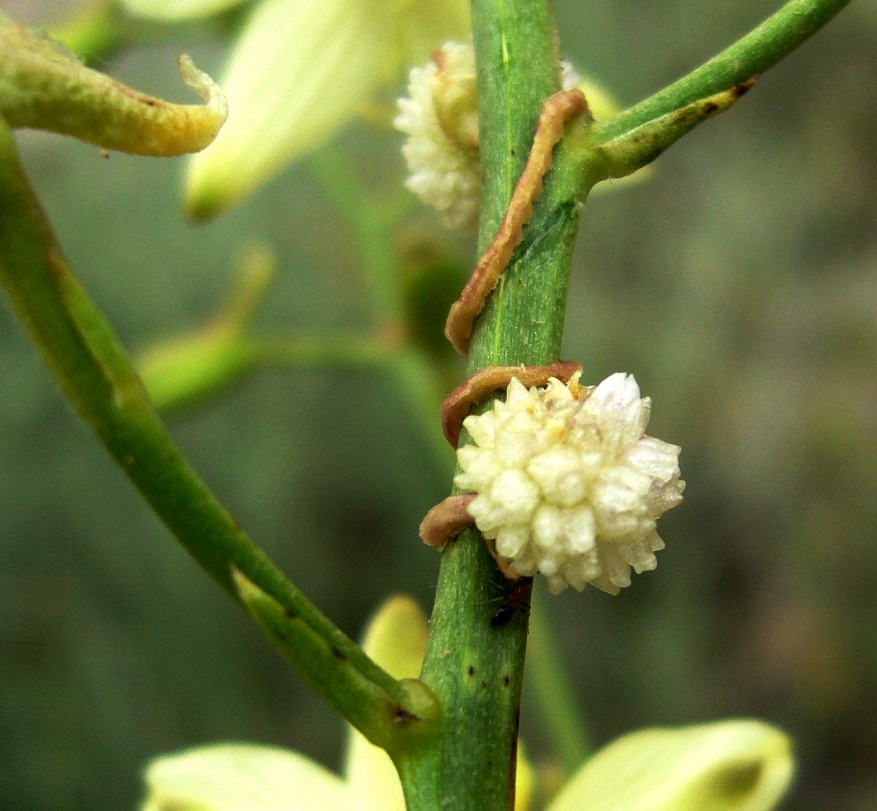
(298, 73)
(242, 777)
(396, 639)
(525, 780)
(176, 9)
(743, 765)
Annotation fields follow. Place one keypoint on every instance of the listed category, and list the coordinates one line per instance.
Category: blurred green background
(739, 285)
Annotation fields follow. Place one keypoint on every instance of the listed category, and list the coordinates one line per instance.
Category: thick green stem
(93, 369)
(474, 667)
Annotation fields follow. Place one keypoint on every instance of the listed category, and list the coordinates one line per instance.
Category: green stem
(332, 352)
(474, 667)
(746, 59)
(93, 369)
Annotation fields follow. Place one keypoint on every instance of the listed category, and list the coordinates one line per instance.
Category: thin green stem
(746, 59)
(395, 725)
(95, 373)
(475, 668)
(338, 352)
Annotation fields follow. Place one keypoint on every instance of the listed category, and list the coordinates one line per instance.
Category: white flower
(568, 484)
(440, 118)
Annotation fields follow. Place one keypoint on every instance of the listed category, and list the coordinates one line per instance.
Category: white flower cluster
(441, 121)
(568, 484)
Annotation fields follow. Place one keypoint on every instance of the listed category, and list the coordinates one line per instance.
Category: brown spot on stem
(402, 716)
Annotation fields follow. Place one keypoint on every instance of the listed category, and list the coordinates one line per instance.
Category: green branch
(476, 668)
(94, 372)
(394, 723)
(736, 66)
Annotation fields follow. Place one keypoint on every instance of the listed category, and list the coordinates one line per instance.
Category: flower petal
(396, 637)
(242, 777)
(177, 9)
(396, 640)
(740, 765)
(298, 73)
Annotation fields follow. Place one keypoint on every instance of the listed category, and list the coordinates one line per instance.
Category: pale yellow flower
(298, 72)
(739, 765)
(736, 765)
(249, 777)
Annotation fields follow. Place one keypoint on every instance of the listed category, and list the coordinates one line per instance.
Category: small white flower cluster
(441, 121)
(568, 484)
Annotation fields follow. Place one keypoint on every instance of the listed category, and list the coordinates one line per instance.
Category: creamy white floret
(568, 484)
(440, 118)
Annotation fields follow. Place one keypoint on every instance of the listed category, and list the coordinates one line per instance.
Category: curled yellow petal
(736, 765)
(44, 86)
